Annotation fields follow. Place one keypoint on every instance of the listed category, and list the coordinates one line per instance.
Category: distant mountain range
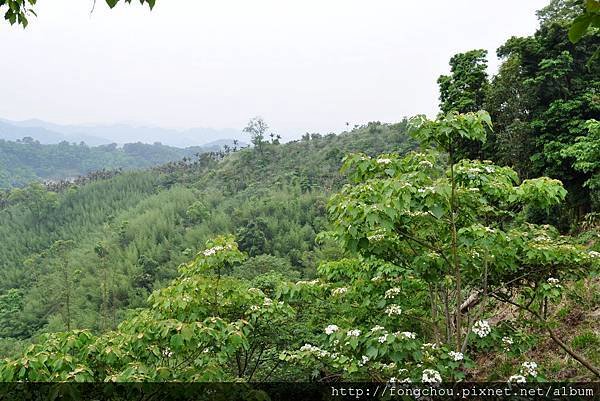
(94, 135)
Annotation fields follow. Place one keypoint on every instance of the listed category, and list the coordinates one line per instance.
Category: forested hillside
(27, 160)
(463, 247)
(148, 222)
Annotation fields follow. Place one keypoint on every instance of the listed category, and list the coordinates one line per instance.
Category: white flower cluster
(383, 338)
(215, 249)
(594, 254)
(256, 290)
(384, 161)
(429, 346)
(377, 279)
(392, 292)
(377, 328)
(339, 291)
(315, 350)
(376, 237)
(406, 334)
(517, 379)
(507, 342)
(456, 356)
(332, 328)
(393, 310)
(254, 308)
(304, 282)
(482, 328)
(353, 333)
(529, 369)
(267, 301)
(431, 376)
(426, 163)
(426, 189)
(554, 281)
(363, 360)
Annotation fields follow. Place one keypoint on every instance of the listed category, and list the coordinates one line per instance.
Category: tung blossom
(431, 376)
(529, 368)
(406, 334)
(392, 292)
(507, 342)
(332, 328)
(393, 310)
(517, 379)
(481, 328)
(353, 333)
(339, 291)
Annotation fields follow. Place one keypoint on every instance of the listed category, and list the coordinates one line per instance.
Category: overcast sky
(305, 65)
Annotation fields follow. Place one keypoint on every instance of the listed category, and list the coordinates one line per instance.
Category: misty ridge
(94, 135)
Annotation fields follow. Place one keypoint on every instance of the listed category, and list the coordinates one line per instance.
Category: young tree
(257, 129)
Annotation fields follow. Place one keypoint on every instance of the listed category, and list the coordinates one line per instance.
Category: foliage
(27, 160)
(18, 11)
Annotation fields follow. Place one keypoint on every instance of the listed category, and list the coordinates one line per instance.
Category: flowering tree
(437, 244)
(201, 327)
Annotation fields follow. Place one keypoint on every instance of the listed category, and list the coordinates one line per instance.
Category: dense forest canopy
(27, 160)
(464, 247)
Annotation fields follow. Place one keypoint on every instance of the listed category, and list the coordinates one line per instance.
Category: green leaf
(578, 28)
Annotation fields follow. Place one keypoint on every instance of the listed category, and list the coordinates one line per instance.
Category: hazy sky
(306, 65)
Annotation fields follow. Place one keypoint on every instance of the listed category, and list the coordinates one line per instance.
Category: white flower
(429, 345)
(392, 292)
(332, 328)
(304, 282)
(594, 254)
(431, 376)
(554, 281)
(167, 353)
(407, 334)
(474, 189)
(529, 369)
(426, 163)
(377, 279)
(384, 161)
(254, 290)
(456, 356)
(383, 338)
(376, 237)
(339, 291)
(517, 379)
(481, 328)
(392, 380)
(507, 342)
(267, 302)
(363, 360)
(314, 350)
(393, 310)
(407, 380)
(353, 333)
(254, 308)
(377, 328)
(213, 250)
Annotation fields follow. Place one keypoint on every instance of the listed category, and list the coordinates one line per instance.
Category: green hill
(151, 221)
